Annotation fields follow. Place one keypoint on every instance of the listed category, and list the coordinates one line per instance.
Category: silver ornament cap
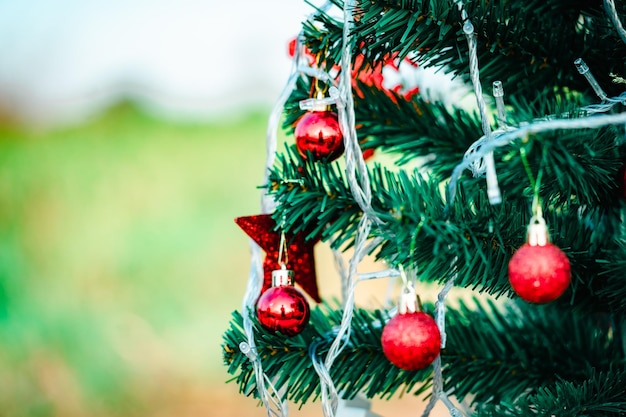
(409, 301)
(537, 232)
(282, 276)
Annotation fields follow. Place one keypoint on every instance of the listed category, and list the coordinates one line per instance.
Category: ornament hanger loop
(405, 281)
(538, 219)
(536, 209)
(320, 89)
(534, 182)
(283, 253)
(320, 103)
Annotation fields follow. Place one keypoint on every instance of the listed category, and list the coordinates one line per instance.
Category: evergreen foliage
(494, 356)
(511, 358)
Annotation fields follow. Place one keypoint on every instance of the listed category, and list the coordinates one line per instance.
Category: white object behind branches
(357, 407)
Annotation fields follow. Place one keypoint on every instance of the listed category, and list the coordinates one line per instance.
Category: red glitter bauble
(411, 341)
(540, 273)
(318, 134)
(283, 309)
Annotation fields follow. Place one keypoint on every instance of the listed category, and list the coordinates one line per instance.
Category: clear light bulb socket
(493, 189)
(320, 103)
(584, 70)
(498, 89)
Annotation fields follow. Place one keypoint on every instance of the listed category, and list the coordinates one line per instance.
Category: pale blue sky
(63, 58)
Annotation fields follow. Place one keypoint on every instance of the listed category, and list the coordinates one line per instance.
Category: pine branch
(519, 348)
(315, 197)
(608, 286)
(361, 366)
(579, 166)
(516, 40)
(601, 395)
(415, 129)
(493, 354)
(416, 229)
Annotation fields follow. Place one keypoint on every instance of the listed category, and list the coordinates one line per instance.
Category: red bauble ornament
(539, 272)
(282, 308)
(318, 134)
(411, 341)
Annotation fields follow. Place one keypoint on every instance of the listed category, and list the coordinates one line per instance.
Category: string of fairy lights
(478, 159)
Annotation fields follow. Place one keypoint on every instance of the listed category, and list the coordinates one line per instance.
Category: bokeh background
(132, 133)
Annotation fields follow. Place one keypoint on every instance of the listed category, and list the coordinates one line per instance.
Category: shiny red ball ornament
(411, 339)
(282, 308)
(318, 134)
(539, 272)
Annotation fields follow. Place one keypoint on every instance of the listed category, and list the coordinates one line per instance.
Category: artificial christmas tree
(549, 150)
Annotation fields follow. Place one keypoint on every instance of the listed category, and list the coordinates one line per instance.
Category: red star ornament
(261, 229)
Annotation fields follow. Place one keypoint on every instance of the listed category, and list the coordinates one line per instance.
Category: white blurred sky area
(61, 60)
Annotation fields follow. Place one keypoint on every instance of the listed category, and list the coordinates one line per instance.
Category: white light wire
(493, 190)
(474, 157)
(340, 267)
(274, 404)
(484, 146)
(272, 399)
(358, 179)
(609, 6)
(438, 392)
(356, 169)
(330, 396)
(505, 137)
(606, 105)
(267, 202)
(361, 190)
(483, 150)
(297, 68)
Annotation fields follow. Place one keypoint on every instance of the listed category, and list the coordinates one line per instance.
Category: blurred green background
(120, 263)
